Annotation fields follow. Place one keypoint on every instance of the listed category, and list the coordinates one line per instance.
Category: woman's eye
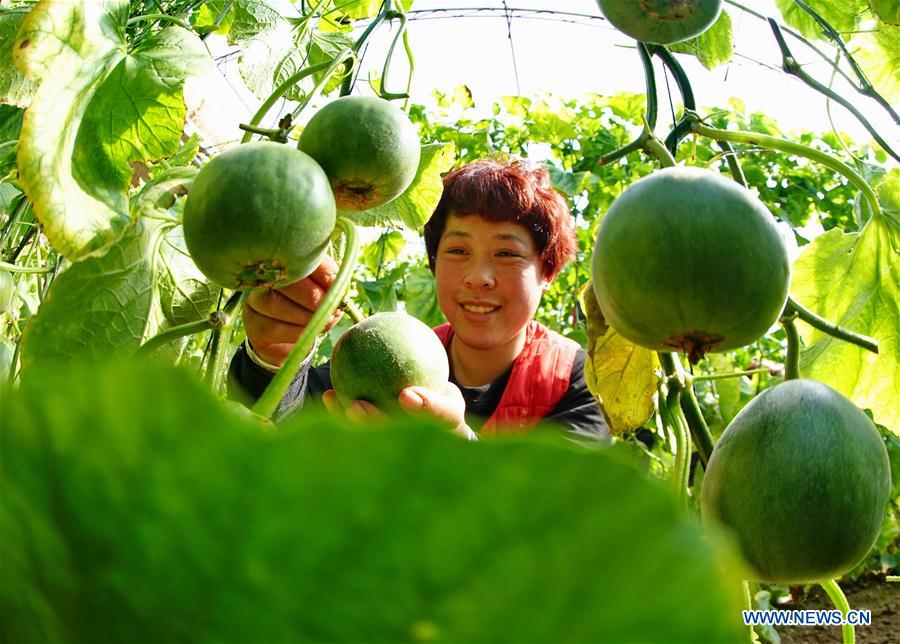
(507, 253)
(455, 251)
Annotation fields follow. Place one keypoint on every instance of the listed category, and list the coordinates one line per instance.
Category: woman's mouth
(480, 308)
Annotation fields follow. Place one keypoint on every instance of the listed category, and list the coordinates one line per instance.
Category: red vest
(539, 379)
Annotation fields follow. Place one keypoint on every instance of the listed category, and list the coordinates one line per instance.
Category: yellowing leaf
(864, 298)
(101, 108)
(620, 374)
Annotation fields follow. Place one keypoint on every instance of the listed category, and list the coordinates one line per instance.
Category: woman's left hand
(447, 405)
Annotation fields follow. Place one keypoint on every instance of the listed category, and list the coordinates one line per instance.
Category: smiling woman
(496, 240)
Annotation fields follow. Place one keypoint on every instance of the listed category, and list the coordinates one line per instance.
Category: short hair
(513, 191)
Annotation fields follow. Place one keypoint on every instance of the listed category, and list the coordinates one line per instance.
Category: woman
(496, 240)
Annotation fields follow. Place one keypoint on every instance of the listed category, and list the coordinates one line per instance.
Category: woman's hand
(274, 319)
(446, 405)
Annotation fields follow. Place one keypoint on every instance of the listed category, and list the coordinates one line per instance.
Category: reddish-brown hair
(507, 191)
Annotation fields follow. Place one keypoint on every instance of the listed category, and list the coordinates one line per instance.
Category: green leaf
(866, 299)
(713, 47)
(383, 250)
(415, 206)
(15, 88)
(570, 184)
(241, 20)
(96, 309)
(184, 292)
(102, 109)
(131, 495)
(269, 58)
(325, 47)
(843, 15)
(620, 374)
(420, 296)
(886, 10)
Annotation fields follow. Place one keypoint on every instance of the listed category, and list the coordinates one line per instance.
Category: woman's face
(489, 279)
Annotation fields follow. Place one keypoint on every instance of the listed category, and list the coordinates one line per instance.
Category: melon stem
(839, 599)
(268, 402)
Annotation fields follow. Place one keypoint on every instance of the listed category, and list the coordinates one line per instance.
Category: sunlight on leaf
(415, 206)
(713, 47)
(101, 109)
(867, 300)
(878, 53)
(843, 15)
(621, 375)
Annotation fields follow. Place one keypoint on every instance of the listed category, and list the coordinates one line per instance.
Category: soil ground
(872, 593)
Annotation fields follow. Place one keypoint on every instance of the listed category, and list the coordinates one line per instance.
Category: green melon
(802, 477)
(368, 148)
(259, 216)
(688, 260)
(377, 358)
(661, 21)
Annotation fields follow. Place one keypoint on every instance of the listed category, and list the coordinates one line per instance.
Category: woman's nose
(479, 277)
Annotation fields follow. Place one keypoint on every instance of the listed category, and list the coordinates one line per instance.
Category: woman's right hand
(274, 319)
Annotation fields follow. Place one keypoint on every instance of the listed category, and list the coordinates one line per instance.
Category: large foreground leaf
(866, 299)
(100, 108)
(135, 508)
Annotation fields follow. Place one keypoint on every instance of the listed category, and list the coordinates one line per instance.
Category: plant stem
(160, 16)
(215, 321)
(865, 87)
(830, 328)
(748, 605)
(655, 147)
(12, 268)
(401, 32)
(735, 374)
(792, 358)
(221, 342)
(791, 66)
(268, 402)
(14, 218)
(279, 92)
(651, 114)
(734, 166)
(791, 147)
(700, 434)
(839, 600)
(352, 312)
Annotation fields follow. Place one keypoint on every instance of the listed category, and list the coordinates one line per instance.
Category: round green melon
(802, 477)
(661, 21)
(688, 260)
(368, 148)
(259, 216)
(382, 355)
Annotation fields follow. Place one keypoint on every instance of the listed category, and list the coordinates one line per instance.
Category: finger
(331, 402)
(443, 405)
(362, 411)
(325, 272)
(276, 305)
